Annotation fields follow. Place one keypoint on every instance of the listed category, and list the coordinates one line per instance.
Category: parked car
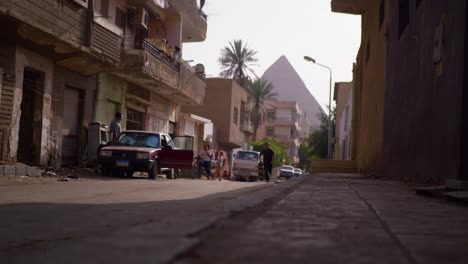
(286, 171)
(246, 165)
(297, 172)
(145, 151)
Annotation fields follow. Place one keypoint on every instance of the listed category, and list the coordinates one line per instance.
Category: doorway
(29, 141)
(72, 99)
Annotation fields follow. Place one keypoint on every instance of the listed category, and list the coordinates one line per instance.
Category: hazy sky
(283, 27)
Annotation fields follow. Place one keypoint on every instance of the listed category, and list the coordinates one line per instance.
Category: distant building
(343, 98)
(283, 123)
(290, 87)
(225, 105)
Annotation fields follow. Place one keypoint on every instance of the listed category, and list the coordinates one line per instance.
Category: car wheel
(154, 171)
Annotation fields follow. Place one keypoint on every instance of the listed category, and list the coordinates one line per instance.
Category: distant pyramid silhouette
(290, 87)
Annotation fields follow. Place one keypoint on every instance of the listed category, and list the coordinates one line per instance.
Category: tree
(317, 142)
(236, 61)
(276, 146)
(261, 91)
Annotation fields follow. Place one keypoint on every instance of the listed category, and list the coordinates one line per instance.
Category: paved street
(318, 218)
(116, 220)
(338, 219)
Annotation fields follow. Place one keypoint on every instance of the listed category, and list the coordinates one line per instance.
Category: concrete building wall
(423, 100)
(110, 98)
(342, 95)
(370, 89)
(42, 141)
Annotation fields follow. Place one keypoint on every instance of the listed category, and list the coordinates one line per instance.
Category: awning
(162, 3)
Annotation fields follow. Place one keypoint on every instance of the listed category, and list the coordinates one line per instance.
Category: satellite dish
(199, 68)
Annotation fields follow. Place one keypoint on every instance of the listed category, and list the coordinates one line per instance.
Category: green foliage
(277, 147)
(236, 61)
(316, 145)
(261, 91)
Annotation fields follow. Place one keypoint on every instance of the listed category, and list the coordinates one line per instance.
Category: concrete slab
(9, 170)
(21, 169)
(1, 171)
(32, 171)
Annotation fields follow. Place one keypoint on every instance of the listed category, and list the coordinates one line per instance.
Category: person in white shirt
(220, 165)
(206, 157)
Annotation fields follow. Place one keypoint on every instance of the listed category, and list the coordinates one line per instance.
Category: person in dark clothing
(268, 160)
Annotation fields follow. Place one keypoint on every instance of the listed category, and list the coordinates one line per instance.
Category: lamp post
(309, 59)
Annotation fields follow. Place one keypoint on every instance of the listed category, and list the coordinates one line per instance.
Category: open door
(178, 154)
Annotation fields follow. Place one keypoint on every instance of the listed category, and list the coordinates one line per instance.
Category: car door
(179, 154)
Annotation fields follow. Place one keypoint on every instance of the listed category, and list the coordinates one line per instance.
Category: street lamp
(309, 59)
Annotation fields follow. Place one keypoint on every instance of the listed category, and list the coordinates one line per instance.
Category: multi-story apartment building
(226, 106)
(283, 123)
(410, 80)
(67, 63)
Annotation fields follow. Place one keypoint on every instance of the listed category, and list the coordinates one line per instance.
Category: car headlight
(105, 153)
(143, 156)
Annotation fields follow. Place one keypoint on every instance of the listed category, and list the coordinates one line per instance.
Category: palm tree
(236, 61)
(261, 91)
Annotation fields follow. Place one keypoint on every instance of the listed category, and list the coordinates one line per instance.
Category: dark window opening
(236, 115)
(381, 13)
(135, 120)
(120, 18)
(368, 51)
(403, 16)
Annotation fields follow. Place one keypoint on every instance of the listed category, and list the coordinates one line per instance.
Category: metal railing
(160, 55)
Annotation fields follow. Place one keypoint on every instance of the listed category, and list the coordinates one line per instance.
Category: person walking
(220, 165)
(115, 128)
(206, 157)
(268, 159)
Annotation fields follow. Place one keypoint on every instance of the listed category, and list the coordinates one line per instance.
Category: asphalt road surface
(118, 220)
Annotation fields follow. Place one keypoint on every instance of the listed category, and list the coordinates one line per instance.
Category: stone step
(19, 169)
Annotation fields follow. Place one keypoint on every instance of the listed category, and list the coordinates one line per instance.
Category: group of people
(208, 156)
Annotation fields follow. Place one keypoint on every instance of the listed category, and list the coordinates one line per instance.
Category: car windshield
(287, 168)
(244, 155)
(139, 140)
(297, 170)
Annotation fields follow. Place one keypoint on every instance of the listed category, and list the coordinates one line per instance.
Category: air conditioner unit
(141, 18)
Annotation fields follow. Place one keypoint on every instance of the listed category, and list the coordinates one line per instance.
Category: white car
(286, 171)
(297, 172)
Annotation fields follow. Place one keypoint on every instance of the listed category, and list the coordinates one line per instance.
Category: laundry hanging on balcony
(161, 3)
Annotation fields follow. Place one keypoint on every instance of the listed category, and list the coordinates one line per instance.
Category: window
(368, 51)
(236, 115)
(346, 117)
(270, 132)
(135, 119)
(381, 13)
(292, 132)
(403, 16)
(120, 18)
(271, 116)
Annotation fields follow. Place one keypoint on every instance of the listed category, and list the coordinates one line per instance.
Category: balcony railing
(151, 49)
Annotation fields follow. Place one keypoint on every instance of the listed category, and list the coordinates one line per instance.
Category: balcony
(354, 7)
(194, 21)
(61, 29)
(286, 139)
(284, 122)
(247, 126)
(153, 69)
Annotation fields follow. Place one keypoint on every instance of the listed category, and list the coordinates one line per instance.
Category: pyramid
(290, 87)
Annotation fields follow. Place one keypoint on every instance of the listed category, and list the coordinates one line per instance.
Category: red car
(145, 151)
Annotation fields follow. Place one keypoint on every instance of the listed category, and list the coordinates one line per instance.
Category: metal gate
(70, 130)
